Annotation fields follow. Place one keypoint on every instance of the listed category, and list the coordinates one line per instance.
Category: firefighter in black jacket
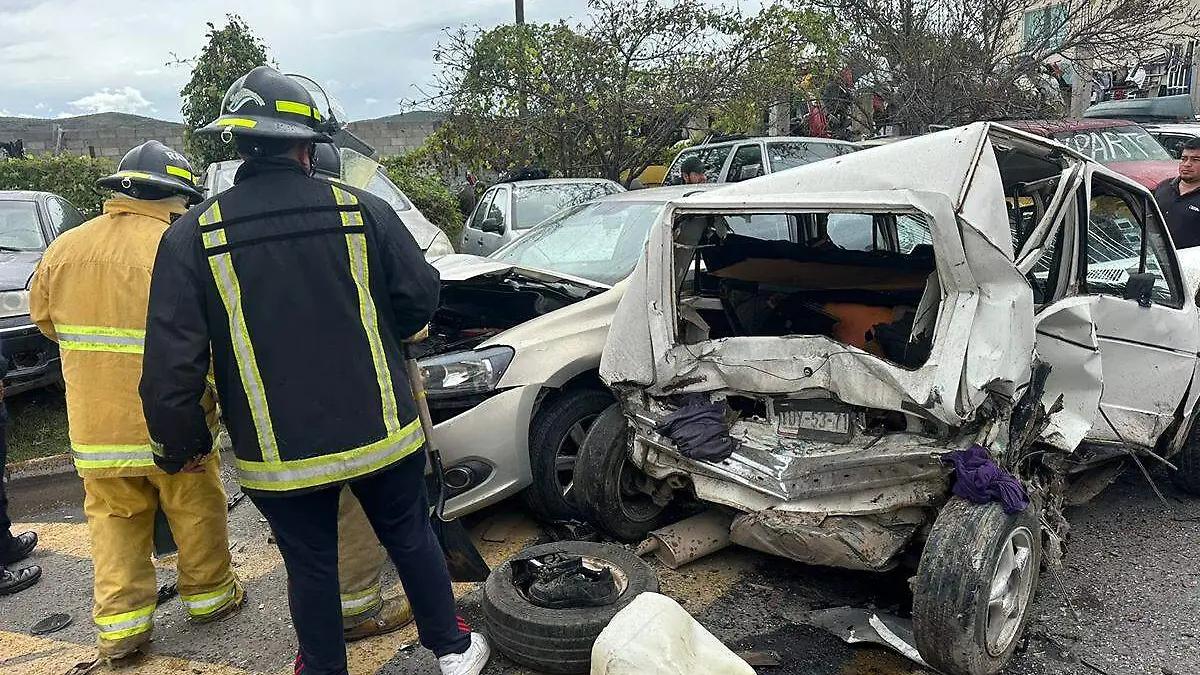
(303, 291)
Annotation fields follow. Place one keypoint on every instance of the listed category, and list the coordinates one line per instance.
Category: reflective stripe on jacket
(304, 291)
(89, 294)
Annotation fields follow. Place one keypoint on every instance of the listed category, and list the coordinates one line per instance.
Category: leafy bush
(428, 192)
(70, 176)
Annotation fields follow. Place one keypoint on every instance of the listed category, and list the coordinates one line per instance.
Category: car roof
(24, 195)
(662, 194)
(771, 139)
(554, 181)
(1048, 127)
(1189, 129)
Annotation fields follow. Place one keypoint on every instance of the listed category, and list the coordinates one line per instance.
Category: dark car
(1121, 145)
(29, 221)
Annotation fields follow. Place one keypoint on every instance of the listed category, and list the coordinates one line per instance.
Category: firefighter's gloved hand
(171, 466)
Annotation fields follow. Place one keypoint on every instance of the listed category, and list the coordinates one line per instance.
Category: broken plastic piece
(854, 625)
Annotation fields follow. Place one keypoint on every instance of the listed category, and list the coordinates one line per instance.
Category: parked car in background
(1123, 146)
(509, 209)
(738, 160)
(1173, 136)
(810, 391)
(362, 172)
(1158, 109)
(29, 221)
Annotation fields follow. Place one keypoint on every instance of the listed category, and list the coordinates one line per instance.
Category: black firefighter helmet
(154, 171)
(270, 110)
(327, 161)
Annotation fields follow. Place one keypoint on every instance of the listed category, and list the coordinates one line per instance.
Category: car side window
(1173, 143)
(496, 211)
(746, 164)
(1125, 237)
(55, 215)
(481, 209)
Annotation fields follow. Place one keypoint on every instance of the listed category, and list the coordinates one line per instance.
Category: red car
(1123, 146)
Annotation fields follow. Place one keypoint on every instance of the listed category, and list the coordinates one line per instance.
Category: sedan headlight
(439, 247)
(14, 303)
(465, 373)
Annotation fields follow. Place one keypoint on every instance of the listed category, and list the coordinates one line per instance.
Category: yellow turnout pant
(360, 562)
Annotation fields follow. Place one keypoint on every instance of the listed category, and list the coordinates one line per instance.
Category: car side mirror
(1140, 287)
(492, 224)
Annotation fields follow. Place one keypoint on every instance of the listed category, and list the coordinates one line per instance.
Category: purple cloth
(977, 478)
(698, 429)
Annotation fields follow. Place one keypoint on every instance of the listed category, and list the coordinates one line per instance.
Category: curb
(41, 467)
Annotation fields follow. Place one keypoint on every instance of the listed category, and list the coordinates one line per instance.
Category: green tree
(608, 96)
(70, 176)
(231, 51)
(420, 181)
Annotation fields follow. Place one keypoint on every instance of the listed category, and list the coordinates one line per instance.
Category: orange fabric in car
(855, 321)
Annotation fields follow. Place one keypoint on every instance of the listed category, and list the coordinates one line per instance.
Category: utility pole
(520, 12)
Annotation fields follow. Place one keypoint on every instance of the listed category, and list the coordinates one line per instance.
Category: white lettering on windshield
(1109, 145)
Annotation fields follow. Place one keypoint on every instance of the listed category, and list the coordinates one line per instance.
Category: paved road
(1131, 575)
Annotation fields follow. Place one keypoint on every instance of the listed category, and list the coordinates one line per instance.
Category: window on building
(1046, 26)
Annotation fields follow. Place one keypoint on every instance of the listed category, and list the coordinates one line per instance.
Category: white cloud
(40, 106)
(370, 101)
(126, 99)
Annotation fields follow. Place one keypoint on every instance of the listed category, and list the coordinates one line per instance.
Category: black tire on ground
(558, 640)
(603, 475)
(970, 546)
(555, 436)
(1187, 461)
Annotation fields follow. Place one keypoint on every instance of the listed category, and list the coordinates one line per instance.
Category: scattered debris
(166, 592)
(760, 659)
(51, 624)
(854, 625)
(501, 527)
(573, 530)
(234, 501)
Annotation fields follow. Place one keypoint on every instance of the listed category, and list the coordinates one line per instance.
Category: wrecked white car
(977, 286)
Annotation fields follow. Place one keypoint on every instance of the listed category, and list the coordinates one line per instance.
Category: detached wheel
(559, 640)
(975, 585)
(606, 482)
(1187, 477)
(555, 436)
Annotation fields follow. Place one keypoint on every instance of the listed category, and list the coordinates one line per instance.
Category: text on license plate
(795, 422)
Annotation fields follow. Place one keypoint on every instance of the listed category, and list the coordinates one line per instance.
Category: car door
(60, 217)
(472, 238)
(496, 221)
(1148, 336)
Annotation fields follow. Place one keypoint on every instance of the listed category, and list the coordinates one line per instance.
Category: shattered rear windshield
(796, 153)
(600, 241)
(1129, 143)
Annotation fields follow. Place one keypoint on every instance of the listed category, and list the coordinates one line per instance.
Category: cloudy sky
(71, 57)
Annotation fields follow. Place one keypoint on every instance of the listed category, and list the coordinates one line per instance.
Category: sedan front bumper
(33, 359)
(491, 443)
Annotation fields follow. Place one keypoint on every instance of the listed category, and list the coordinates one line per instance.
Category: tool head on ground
(154, 171)
(267, 112)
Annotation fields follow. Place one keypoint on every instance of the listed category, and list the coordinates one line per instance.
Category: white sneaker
(470, 662)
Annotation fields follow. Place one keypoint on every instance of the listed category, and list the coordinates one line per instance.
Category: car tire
(602, 475)
(958, 627)
(1187, 463)
(555, 437)
(558, 640)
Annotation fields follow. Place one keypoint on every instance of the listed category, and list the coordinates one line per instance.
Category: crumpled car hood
(467, 267)
(984, 333)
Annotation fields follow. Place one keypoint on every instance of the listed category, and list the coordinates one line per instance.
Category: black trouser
(5, 523)
(305, 527)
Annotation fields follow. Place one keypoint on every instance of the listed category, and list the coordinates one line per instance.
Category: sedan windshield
(19, 227)
(792, 154)
(1108, 145)
(600, 241)
(535, 203)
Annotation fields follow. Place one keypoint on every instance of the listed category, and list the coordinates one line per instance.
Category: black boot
(12, 581)
(18, 547)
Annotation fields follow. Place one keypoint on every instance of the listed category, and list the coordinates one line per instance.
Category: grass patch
(37, 425)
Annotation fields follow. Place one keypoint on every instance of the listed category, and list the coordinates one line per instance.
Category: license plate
(795, 422)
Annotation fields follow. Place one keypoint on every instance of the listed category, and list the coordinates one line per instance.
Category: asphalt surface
(1126, 601)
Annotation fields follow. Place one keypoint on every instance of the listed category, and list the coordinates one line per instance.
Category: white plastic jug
(655, 636)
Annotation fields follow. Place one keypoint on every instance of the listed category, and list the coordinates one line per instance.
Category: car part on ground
(855, 625)
(655, 636)
(690, 539)
(976, 552)
(559, 640)
(605, 481)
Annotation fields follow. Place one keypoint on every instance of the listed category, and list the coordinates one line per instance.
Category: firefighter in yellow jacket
(89, 294)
